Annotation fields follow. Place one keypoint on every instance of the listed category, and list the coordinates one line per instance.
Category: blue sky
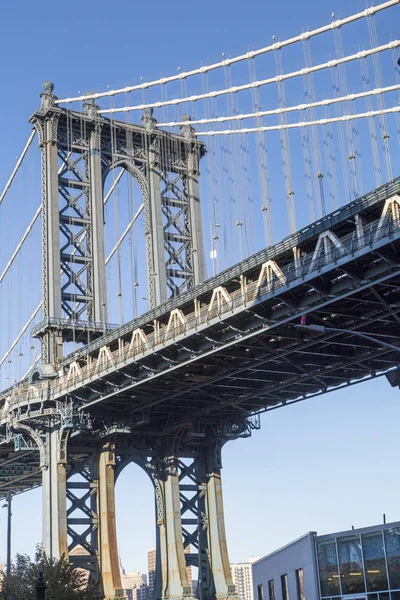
(323, 465)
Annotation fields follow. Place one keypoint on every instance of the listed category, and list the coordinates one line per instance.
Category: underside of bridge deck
(19, 469)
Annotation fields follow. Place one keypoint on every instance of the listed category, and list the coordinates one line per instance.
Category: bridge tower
(79, 150)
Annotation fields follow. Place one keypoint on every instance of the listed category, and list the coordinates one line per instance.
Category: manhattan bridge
(151, 313)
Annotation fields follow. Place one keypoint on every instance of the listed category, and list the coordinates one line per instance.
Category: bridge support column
(174, 580)
(54, 491)
(218, 583)
(109, 563)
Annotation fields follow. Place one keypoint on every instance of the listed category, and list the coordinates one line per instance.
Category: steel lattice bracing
(79, 150)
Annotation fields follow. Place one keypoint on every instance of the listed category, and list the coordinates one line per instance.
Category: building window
(300, 584)
(260, 591)
(392, 539)
(351, 565)
(374, 562)
(271, 589)
(328, 569)
(285, 588)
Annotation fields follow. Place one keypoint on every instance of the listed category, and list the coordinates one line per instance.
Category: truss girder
(232, 349)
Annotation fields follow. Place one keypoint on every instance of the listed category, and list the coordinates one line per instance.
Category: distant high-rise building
(133, 580)
(242, 575)
(142, 593)
(151, 567)
(151, 570)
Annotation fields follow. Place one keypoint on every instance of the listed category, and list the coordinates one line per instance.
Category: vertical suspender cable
(330, 161)
(342, 87)
(381, 103)
(315, 139)
(262, 162)
(343, 150)
(306, 146)
(371, 122)
(285, 148)
(397, 78)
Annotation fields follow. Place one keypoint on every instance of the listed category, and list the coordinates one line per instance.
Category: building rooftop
(345, 533)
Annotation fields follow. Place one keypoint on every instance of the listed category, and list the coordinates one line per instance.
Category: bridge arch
(137, 519)
(126, 236)
(129, 166)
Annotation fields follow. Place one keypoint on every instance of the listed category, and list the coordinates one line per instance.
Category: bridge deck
(229, 348)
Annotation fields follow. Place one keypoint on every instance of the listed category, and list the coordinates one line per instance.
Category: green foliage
(63, 582)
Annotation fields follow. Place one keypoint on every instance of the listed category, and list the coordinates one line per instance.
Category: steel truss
(83, 511)
(79, 150)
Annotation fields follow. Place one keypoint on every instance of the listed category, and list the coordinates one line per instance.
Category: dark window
(260, 591)
(328, 569)
(271, 589)
(300, 584)
(374, 561)
(351, 565)
(392, 539)
(285, 588)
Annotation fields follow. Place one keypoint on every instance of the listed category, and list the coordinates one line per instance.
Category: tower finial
(47, 96)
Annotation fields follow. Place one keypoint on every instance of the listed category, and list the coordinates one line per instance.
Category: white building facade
(242, 575)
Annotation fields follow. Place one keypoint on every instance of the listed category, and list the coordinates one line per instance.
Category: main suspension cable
(344, 118)
(230, 61)
(260, 83)
(278, 111)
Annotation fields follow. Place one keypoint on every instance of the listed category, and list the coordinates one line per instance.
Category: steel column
(193, 192)
(109, 563)
(220, 580)
(47, 128)
(157, 276)
(98, 274)
(174, 581)
(54, 489)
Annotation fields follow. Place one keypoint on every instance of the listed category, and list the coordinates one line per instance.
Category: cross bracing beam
(197, 369)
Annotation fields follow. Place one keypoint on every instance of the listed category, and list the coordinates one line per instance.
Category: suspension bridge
(151, 312)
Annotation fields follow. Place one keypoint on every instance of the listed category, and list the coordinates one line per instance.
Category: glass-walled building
(362, 564)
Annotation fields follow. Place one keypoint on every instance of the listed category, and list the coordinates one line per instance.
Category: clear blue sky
(323, 465)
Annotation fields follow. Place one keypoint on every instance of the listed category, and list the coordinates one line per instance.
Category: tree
(63, 581)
